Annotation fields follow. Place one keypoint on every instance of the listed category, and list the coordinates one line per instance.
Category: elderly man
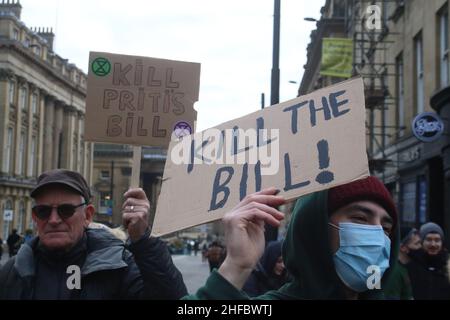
(339, 245)
(68, 260)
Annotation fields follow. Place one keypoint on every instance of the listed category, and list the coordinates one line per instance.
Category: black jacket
(428, 276)
(109, 270)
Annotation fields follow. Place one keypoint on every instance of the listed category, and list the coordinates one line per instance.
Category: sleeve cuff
(218, 288)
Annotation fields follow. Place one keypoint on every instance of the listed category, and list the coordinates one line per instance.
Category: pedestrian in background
(196, 245)
(399, 285)
(428, 267)
(204, 251)
(270, 272)
(13, 242)
(215, 255)
(28, 235)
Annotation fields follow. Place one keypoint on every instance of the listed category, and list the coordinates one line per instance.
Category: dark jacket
(428, 276)
(308, 259)
(399, 286)
(263, 279)
(109, 270)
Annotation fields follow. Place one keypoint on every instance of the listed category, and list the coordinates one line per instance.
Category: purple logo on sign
(182, 129)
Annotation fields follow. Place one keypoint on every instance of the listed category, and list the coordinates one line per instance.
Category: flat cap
(71, 179)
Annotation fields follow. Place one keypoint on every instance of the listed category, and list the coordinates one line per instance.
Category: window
(8, 151)
(32, 158)
(408, 203)
(422, 199)
(37, 50)
(20, 160)
(34, 103)
(82, 158)
(15, 34)
(30, 221)
(338, 9)
(23, 99)
(385, 116)
(27, 42)
(21, 218)
(385, 16)
(419, 83)
(104, 175)
(12, 92)
(414, 201)
(105, 203)
(443, 48)
(8, 208)
(75, 155)
(400, 95)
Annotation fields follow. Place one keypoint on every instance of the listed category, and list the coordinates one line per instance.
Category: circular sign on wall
(427, 126)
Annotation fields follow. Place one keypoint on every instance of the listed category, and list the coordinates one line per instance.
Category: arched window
(21, 218)
(8, 214)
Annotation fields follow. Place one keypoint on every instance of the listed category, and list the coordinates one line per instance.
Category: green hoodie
(307, 256)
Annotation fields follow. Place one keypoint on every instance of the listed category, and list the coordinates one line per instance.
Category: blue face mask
(363, 249)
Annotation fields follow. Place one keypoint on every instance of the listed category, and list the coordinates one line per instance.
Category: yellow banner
(337, 57)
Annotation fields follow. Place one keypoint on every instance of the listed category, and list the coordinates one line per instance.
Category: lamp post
(271, 232)
(275, 83)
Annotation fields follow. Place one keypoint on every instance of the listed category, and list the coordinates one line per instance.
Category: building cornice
(13, 45)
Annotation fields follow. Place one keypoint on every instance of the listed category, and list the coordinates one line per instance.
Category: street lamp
(310, 19)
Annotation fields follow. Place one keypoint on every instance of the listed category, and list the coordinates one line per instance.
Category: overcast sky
(231, 39)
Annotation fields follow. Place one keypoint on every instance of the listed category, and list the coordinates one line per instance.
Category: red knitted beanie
(370, 188)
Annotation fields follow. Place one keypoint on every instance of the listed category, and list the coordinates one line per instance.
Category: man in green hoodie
(339, 245)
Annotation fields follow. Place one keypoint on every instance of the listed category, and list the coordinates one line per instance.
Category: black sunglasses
(65, 210)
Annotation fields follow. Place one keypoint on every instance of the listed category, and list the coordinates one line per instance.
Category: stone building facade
(42, 107)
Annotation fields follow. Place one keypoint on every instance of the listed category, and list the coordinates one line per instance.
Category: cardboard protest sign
(138, 100)
(307, 144)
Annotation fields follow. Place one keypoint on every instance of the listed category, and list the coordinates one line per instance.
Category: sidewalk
(194, 271)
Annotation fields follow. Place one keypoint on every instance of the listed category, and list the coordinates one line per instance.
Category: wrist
(234, 273)
(137, 238)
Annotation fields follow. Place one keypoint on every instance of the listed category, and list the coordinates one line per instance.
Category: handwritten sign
(139, 100)
(304, 145)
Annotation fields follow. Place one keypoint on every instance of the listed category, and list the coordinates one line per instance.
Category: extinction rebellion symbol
(101, 67)
(427, 126)
(182, 129)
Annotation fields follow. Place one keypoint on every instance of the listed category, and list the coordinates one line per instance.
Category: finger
(132, 217)
(135, 209)
(270, 191)
(268, 209)
(137, 193)
(270, 200)
(256, 215)
(135, 202)
(266, 191)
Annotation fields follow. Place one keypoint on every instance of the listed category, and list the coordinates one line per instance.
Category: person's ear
(89, 214)
(33, 216)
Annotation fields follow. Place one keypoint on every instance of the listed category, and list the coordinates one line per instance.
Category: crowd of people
(342, 243)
